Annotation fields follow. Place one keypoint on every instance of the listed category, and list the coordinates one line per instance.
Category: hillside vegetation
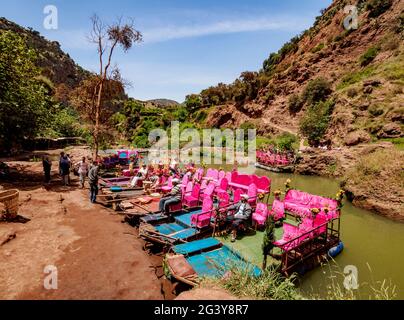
(362, 71)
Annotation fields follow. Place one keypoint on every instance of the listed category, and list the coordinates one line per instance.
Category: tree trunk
(97, 119)
(264, 262)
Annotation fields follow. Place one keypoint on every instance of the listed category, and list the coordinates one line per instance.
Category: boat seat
(180, 266)
(238, 186)
(195, 246)
(244, 187)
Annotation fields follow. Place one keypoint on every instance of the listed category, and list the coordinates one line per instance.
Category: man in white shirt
(83, 169)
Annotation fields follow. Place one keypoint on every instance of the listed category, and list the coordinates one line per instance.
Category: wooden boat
(164, 230)
(192, 261)
(277, 168)
(110, 182)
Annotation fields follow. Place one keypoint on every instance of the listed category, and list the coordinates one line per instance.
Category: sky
(188, 45)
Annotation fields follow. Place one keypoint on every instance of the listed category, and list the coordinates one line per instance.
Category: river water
(373, 245)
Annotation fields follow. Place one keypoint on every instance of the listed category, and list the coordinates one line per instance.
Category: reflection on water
(370, 240)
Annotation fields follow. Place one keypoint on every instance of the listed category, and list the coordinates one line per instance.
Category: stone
(367, 90)
(356, 137)
(390, 130)
(372, 83)
(6, 237)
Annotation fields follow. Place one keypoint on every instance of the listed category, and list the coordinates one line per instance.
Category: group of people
(154, 173)
(84, 170)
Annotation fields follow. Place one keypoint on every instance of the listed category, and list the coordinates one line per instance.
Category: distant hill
(56, 65)
(162, 103)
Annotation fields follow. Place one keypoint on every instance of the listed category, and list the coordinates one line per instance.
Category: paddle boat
(311, 227)
(275, 162)
(181, 225)
(190, 262)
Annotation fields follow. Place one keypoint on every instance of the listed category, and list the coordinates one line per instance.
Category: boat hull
(276, 169)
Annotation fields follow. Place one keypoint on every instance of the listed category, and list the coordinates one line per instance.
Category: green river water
(370, 241)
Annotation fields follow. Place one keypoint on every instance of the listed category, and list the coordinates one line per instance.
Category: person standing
(65, 169)
(47, 167)
(93, 181)
(83, 170)
(62, 154)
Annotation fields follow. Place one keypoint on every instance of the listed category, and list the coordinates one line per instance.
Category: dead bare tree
(108, 38)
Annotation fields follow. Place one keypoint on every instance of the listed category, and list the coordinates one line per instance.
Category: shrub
(317, 90)
(201, 116)
(286, 141)
(269, 285)
(290, 46)
(270, 96)
(315, 122)
(270, 63)
(368, 56)
(351, 92)
(400, 24)
(355, 77)
(318, 48)
(375, 111)
(295, 103)
(378, 7)
(193, 102)
(342, 35)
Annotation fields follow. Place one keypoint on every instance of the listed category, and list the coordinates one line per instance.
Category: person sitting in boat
(155, 175)
(140, 176)
(241, 217)
(174, 166)
(173, 197)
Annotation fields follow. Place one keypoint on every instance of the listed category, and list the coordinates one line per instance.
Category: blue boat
(170, 230)
(190, 262)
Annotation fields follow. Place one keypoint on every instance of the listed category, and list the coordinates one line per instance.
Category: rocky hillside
(364, 67)
(56, 65)
(329, 85)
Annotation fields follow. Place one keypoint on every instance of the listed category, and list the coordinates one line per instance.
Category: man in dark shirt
(93, 181)
(47, 167)
(242, 216)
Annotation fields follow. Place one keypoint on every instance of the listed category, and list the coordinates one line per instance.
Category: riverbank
(371, 174)
(96, 256)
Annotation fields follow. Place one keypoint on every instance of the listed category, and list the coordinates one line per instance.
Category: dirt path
(96, 256)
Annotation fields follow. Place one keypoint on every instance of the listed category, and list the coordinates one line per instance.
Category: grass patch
(355, 77)
(398, 142)
(284, 141)
(378, 174)
(271, 285)
(368, 56)
(318, 48)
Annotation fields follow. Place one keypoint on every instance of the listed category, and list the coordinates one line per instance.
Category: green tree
(24, 101)
(269, 238)
(193, 102)
(315, 122)
(317, 90)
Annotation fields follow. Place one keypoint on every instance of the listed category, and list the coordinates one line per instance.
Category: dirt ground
(96, 255)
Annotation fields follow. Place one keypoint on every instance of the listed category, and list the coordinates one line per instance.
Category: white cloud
(78, 39)
(221, 27)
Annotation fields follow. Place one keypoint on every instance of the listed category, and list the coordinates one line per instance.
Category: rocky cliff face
(55, 64)
(365, 67)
